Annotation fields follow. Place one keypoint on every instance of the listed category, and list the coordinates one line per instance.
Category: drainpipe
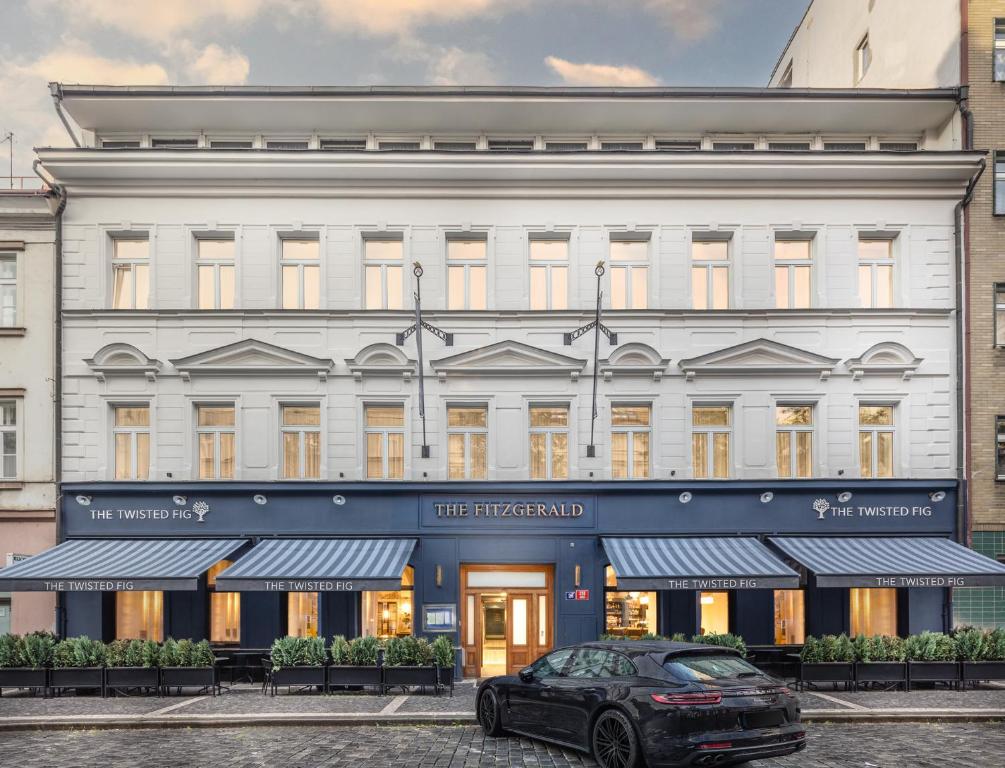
(57, 387)
(57, 100)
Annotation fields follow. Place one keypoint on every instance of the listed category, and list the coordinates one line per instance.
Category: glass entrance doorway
(506, 617)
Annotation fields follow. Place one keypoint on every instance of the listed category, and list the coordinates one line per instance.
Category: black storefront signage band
(706, 583)
(917, 580)
(101, 585)
(299, 584)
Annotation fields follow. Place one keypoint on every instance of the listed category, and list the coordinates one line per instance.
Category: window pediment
(634, 358)
(759, 357)
(886, 357)
(509, 358)
(121, 359)
(252, 357)
(381, 359)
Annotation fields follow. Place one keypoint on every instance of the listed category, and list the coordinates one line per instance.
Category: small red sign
(582, 594)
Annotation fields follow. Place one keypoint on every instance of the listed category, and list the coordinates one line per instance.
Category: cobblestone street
(959, 745)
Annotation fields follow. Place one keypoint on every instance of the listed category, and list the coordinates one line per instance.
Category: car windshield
(703, 667)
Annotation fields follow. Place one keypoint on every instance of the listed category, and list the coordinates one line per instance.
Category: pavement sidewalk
(244, 705)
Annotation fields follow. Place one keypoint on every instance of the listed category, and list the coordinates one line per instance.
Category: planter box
(342, 676)
(411, 676)
(881, 672)
(24, 677)
(190, 677)
(445, 677)
(298, 676)
(933, 672)
(983, 670)
(77, 677)
(827, 672)
(133, 677)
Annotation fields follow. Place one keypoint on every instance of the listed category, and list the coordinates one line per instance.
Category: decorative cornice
(509, 358)
(759, 357)
(252, 357)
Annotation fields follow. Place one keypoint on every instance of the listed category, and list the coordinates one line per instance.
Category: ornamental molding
(381, 359)
(121, 359)
(634, 359)
(759, 357)
(252, 357)
(509, 358)
(887, 357)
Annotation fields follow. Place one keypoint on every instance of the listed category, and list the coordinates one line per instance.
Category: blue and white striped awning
(319, 565)
(118, 565)
(891, 562)
(697, 563)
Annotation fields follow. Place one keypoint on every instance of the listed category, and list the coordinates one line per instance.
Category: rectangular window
(714, 612)
(343, 145)
(8, 290)
(631, 428)
(302, 614)
(711, 426)
(399, 146)
(732, 146)
(231, 144)
(875, 440)
(130, 273)
(788, 146)
(629, 274)
(794, 440)
(999, 51)
(286, 144)
(215, 267)
(389, 614)
(549, 274)
(792, 274)
(710, 274)
(844, 146)
(120, 143)
(511, 145)
(131, 436)
(301, 442)
(467, 438)
(873, 611)
(167, 143)
(875, 272)
(999, 184)
(790, 617)
(8, 440)
(999, 447)
(566, 146)
(621, 146)
(384, 272)
(216, 437)
(139, 616)
(301, 268)
(466, 273)
(863, 58)
(384, 432)
(677, 145)
(899, 146)
(549, 442)
(224, 608)
(628, 614)
(455, 146)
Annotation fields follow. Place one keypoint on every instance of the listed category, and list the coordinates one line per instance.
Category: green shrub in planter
(184, 651)
(285, 652)
(994, 645)
(969, 644)
(202, 654)
(78, 652)
(10, 655)
(364, 651)
(930, 646)
(35, 650)
(339, 650)
(810, 652)
(169, 653)
(443, 652)
(726, 640)
(395, 652)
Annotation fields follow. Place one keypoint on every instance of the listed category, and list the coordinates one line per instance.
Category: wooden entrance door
(527, 616)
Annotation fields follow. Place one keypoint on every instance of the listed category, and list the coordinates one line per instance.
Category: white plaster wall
(915, 44)
(835, 327)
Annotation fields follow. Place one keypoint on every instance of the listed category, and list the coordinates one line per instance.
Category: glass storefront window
(302, 614)
(714, 612)
(628, 614)
(224, 609)
(139, 616)
(790, 617)
(873, 611)
(391, 613)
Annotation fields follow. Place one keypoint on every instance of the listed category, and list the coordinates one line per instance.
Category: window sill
(11, 485)
(12, 331)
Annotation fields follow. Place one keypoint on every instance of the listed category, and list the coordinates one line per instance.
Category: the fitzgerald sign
(503, 509)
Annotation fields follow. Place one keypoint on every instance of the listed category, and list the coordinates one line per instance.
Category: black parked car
(667, 704)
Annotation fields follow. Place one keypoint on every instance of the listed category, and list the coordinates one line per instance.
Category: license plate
(768, 719)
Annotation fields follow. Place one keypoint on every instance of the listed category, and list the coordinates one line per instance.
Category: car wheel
(490, 714)
(614, 742)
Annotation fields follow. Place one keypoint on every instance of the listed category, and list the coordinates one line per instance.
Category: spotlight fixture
(685, 497)
(937, 495)
(84, 501)
(338, 499)
(259, 498)
(844, 496)
(766, 497)
(180, 500)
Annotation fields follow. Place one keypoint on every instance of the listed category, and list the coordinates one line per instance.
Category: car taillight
(688, 699)
(716, 745)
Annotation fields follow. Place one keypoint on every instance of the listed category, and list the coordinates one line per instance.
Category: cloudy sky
(363, 42)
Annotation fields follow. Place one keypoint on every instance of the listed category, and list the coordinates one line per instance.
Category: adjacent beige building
(27, 355)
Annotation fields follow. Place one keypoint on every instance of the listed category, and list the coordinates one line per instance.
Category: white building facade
(235, 276)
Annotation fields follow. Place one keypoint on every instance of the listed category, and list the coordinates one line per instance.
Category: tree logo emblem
(821, 506)
(200, 509)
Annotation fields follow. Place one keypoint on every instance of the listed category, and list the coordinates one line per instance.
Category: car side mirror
(526, 674)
